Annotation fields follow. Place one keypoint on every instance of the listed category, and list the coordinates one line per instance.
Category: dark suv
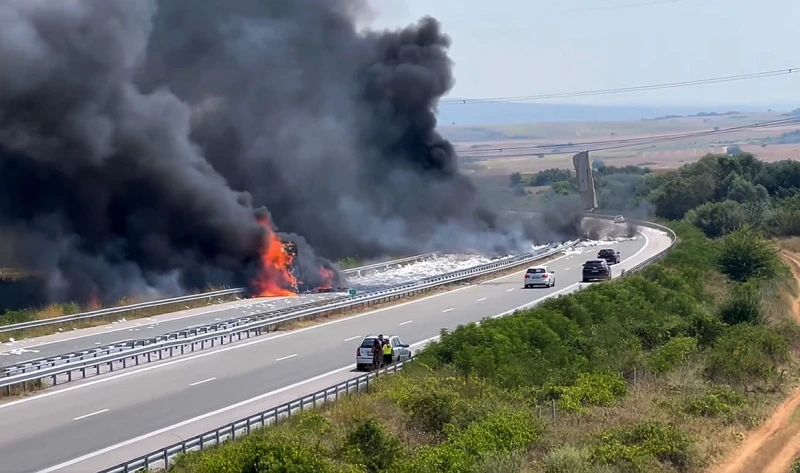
(596, 269)
(611, 256)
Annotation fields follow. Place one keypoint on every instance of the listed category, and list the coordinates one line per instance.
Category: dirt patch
(772, 447)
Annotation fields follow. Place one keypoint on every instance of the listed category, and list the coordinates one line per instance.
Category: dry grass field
(490, 150)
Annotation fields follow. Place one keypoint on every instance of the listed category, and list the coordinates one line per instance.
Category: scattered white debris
(416, 271)
(18, 351)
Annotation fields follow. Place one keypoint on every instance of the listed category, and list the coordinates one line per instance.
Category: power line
(621, 143)
(622, 7)
(620, 90)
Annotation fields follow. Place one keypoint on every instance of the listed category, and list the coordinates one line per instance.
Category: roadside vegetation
(663, 371)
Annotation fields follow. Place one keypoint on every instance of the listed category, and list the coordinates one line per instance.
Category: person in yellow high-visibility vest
(387, 353)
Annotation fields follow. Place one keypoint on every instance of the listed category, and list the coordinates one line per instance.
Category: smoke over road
(140, 140)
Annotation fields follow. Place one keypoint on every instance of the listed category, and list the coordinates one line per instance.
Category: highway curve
(87, 426)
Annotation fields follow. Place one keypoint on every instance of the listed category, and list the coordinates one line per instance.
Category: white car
(619, 219)
(400, 350)
(540, 276)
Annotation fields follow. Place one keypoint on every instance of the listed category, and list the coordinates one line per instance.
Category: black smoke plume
(139, 139)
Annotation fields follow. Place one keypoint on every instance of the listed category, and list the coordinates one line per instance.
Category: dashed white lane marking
(482, 299)
(406, 322)
(203, 381)
(509, 290)
(286, 357)
(447, 310)
(352, 338)
(90, 414)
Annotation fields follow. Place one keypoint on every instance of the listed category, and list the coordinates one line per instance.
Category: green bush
(743, 306)
(638, 445)
(591, 389)
(670, 356)
(745, 255)
(500, 432)
(716, 219)
(15, 317)
(746, 355)
(275, 452)
(572, 460)
(369, 444)
(716, 403)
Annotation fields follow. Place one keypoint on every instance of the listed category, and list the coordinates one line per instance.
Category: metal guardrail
(97, 314)
(246, 327)
(266, 418)
(37, 364)
(160, 459)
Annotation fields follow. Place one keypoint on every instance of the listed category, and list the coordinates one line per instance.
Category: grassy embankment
(662, 371)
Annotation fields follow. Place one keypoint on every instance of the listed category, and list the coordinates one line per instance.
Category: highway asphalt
(101, 422)
(60, 343)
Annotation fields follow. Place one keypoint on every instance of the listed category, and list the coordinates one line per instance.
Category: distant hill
(501, 113)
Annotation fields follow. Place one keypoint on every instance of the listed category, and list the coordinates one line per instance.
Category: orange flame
(327, 277)
(275, 277)
(93, 303)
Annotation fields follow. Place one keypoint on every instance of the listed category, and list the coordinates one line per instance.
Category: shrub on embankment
(640, 374)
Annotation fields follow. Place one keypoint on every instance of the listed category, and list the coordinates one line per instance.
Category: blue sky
(526, 47)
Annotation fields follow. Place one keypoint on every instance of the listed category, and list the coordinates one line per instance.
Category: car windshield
(606, 253)
(593, 264)
(536, 271)
(368, 342)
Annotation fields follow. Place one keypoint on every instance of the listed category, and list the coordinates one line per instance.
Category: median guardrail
(59, 371)
(161, 459)
(178, 303)
(37, 364)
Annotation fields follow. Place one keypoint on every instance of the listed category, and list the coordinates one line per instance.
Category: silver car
(540, 276)
(400, 351)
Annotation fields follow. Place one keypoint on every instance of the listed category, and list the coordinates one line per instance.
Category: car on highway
(596, 270)
(539, 276)
(400, 350)
(611, 256)
(619, 219)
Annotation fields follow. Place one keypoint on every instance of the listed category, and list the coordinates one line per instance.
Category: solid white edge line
(352, 338)
(406, 322)
(448, 310)
(91, 414)
(285, 388)
(481, 299)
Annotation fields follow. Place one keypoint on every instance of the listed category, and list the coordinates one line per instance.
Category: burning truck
(281, 273)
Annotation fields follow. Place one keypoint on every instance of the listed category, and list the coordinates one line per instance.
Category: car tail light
(544, 276)
(358, 351)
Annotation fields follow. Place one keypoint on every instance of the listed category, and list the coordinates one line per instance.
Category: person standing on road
(377, 350)
(387, 353)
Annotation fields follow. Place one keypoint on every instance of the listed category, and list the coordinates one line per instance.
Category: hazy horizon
(511, 48)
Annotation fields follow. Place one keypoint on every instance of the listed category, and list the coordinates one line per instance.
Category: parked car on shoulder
(596, 270)
(364, 359)
(540, 276)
